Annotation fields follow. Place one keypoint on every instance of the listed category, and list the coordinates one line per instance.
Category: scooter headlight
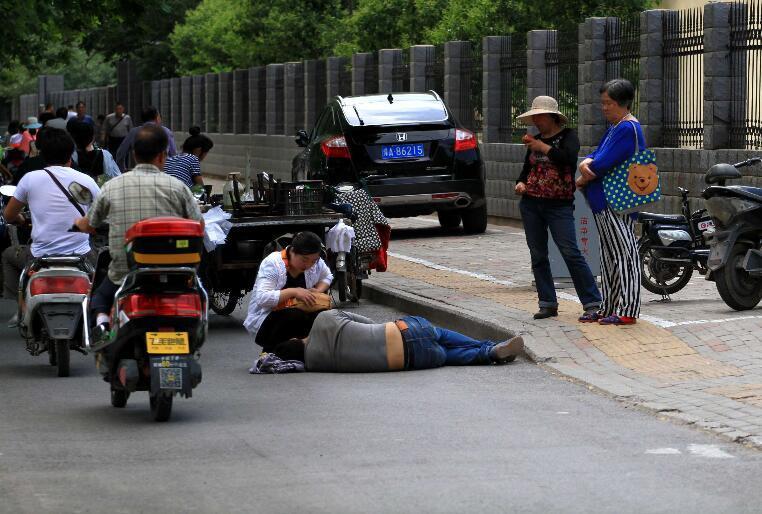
(671, 236)
(724, 209)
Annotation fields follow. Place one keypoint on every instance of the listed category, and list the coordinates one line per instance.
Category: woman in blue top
(620, 264)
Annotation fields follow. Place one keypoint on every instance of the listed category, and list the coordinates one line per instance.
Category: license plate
(705, 225)
(167, 342)
(410, 151)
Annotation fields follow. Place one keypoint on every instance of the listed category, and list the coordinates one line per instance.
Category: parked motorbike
(159, 319)
(672, 246)
(735, 257)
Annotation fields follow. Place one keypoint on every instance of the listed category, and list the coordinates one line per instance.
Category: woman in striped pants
(620, 263)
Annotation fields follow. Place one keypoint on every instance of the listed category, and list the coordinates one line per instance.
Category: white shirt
(271, 278)
(52, 213)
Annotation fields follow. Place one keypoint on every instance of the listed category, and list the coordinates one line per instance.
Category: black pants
(282, 325)
(113, 145)
(103, 297)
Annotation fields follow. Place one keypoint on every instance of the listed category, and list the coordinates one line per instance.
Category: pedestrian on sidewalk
(620, 262)
(149, 116)
(344, 342)
(546, 187)
(117, 125)
(186, 166)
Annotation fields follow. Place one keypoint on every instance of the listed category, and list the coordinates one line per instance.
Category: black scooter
(672, 246)
(735, 257)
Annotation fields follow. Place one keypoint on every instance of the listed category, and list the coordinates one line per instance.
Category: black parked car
(407, 147)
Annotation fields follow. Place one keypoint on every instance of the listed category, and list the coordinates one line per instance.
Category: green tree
(222, 35)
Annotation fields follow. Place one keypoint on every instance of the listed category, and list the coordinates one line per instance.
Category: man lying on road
(346, 342)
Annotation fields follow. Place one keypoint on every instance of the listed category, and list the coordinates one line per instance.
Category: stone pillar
(186, 104)
(387, 58)
(717, 76)
(293, 98)
(241, 102)
(166, 106)
(211, 101)
(360, 64)
(146, 97)
(336, 79)
(155, 97)
(592, 75)
(199, 101)
(274, 108)
(47, 85)
(175, 106)
(651, 83)
(314, 90)
(225, 102)
(457, 84)
(257, 99)
(537, 71)
(421, 57)
(494, 50)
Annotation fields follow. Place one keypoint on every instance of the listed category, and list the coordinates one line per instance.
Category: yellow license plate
(167, 342)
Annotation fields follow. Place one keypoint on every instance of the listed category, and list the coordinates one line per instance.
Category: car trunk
(402, 151)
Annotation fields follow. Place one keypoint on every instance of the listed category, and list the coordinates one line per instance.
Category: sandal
(617, 320)
(590, 317)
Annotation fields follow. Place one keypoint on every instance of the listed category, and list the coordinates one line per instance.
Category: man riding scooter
(55, 195)
(145, 192)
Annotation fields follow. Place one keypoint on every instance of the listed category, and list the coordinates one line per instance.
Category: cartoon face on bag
(642, 178)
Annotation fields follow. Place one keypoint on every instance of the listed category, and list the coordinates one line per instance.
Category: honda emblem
(401, 136)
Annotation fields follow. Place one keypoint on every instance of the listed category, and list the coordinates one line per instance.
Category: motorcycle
(672, 246)
(52, 295)
(159, 319)
(735, 256)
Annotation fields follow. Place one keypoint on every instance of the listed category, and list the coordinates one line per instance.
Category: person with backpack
(92, 161)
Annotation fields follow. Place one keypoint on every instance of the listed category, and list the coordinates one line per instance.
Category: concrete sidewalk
(692, 360)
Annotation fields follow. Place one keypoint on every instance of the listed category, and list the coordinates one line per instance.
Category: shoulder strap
(65, 192)
(637, 143)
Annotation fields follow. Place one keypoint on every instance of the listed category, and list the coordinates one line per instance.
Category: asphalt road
(480, 439)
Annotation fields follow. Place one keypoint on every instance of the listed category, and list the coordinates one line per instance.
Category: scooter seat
(661, 218)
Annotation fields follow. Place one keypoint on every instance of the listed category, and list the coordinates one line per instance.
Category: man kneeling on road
(145, 192)
(347, 342)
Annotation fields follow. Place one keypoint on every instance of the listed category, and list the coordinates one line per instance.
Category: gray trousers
(14, 259)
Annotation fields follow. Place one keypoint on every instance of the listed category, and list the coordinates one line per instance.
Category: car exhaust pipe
(462, 201)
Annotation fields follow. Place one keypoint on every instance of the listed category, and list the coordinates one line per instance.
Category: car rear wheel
(449, 219)
(474, 220)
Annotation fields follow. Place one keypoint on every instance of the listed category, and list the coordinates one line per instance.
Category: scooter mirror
(7, 190)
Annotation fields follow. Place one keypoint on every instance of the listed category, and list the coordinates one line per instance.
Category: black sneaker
(546, 312)
(507, 350)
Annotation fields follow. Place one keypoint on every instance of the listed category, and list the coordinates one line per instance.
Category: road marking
(562, 412)
(664, 451)
(709, 451)
(432, 265)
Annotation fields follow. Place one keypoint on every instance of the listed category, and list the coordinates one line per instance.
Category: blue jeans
(538, 217)
(434, 347)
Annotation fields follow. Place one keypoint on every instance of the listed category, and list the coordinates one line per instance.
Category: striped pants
(620, 264)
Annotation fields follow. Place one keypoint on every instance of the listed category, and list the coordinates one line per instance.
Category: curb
(452, 318)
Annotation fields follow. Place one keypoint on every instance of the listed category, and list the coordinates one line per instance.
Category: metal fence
(435, 72)
(513, 85)
(746, 66)
(623, 53)
(561, 71)
(472, 81)
(371, 75)
(683, 79)
(401, 72)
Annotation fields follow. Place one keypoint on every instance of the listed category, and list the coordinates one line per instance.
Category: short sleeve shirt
(52, 212)
(184, 167)
(145, 192)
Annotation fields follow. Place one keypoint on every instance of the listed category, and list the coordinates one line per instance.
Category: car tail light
(464, 140)
(176, 305)
(335, 147)
(57, 285)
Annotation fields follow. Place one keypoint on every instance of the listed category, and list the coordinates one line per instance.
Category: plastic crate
(299, 198)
